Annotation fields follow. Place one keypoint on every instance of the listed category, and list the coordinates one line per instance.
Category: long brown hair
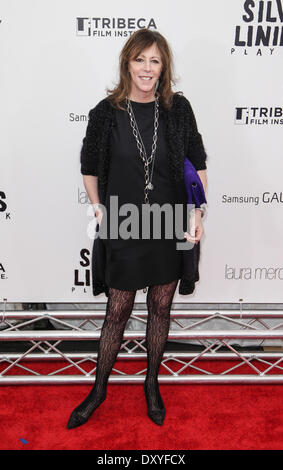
(138, 41)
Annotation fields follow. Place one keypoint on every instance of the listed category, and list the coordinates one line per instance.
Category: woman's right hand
(98, 213)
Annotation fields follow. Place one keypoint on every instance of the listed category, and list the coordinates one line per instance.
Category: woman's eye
(155, 61)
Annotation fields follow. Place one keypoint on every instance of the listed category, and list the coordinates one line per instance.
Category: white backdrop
(56, 62)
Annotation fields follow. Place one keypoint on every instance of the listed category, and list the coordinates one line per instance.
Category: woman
(135, 144)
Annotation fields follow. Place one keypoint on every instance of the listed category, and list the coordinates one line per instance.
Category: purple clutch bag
(190, 258)
(193, 184)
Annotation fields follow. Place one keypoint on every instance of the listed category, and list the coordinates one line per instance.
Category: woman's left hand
(196, 227)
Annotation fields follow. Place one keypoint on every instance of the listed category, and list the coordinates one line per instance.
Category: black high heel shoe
(157, 416)
(76, 420)
(78, 417)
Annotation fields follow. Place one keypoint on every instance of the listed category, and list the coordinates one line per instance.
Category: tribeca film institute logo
(261, 29)
(259, 115)
(111, 27)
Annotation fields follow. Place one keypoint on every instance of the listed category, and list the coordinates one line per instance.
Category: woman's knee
(120, 305)
(159, 298)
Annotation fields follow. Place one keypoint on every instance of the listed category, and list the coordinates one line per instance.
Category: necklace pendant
(150, 186)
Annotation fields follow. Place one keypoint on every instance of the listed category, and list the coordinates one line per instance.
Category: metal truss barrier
(180, 366)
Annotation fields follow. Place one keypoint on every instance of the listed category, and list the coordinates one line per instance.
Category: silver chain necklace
(147, 161)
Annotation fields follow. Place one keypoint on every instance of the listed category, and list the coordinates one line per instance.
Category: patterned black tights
(118, 310)
(159, 301)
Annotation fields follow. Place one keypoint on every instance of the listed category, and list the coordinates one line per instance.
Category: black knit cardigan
(183, 140)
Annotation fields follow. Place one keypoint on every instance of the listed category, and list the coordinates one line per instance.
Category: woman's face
(145, 71)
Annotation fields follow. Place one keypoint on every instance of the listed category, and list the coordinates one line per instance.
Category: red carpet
(197, 417)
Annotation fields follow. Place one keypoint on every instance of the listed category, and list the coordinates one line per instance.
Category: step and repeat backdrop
(58, 58)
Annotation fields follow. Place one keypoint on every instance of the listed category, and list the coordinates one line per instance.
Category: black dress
(134, 264)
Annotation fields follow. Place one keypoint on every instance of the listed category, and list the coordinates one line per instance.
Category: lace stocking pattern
(118, 310)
